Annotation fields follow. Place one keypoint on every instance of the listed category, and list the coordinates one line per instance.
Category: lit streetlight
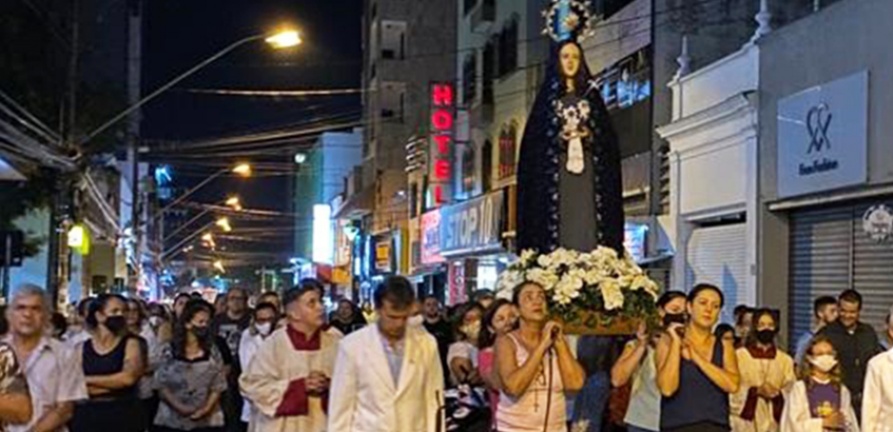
(284, 39)
(223, 223)
(234, 202)
(242, 169)
(218, 265)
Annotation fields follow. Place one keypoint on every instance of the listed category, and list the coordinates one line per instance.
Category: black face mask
(765, 336)
(674, 318)
(201, 332)
(116, 324)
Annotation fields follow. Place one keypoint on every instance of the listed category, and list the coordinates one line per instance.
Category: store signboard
(823, 137)
(383, 261)
(473, 226)
(440, 155)
(430, 242)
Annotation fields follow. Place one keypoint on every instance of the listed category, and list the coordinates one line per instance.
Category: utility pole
(134, 65)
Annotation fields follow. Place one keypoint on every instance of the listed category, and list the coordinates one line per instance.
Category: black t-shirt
(443, 333)
(356, 323)
(231, 331)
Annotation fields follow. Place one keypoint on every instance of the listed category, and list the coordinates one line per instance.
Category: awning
(358, 205)
(9, 173)
(652, 260)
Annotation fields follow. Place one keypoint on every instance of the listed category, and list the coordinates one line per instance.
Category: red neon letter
(442, 95)
(438, 194)
(442, 120)
(442, 169)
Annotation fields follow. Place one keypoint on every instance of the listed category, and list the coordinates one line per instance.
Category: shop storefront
(470, 239)
(826, 176)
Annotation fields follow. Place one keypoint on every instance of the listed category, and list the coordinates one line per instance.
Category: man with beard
(287, 382)
(438, 327)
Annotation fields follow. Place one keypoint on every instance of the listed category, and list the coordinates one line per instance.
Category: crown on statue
(569, 20)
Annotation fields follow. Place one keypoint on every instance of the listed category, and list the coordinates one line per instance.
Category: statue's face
(570, 60)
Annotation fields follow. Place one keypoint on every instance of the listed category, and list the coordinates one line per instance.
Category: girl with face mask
(765, 372)
(819, 402)
(192, 376)
(113, 365)
(462, 357)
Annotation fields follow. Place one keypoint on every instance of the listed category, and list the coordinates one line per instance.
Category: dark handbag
(618, 403)
(467, 409)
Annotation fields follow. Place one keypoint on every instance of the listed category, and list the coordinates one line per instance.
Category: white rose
(611, 294)
(543, 277)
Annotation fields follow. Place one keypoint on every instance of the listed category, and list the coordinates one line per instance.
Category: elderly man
(53, 371)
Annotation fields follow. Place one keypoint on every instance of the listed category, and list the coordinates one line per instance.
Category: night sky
(179, 34)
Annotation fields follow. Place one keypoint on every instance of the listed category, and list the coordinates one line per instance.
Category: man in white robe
(288, 379)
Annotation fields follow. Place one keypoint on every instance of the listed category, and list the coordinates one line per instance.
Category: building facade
(825, 171)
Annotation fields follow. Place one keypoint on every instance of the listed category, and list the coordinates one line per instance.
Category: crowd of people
(407, 364)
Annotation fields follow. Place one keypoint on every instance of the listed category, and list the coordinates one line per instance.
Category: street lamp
(242, 169)
(283, 39)
(234, 203)
(223, 223)
(218, 265)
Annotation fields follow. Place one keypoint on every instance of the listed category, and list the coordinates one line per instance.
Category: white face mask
(154, 321)
(472, 330)
(264, 329)
(416, 321)
(824, 362)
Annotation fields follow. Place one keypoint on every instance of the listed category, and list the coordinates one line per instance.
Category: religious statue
(569, 176)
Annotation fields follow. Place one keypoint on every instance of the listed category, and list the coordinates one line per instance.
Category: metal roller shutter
(820, 261)
(872, 270)
(717, 255)
(830, 252)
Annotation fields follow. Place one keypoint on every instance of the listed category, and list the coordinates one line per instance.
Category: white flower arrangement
(600, 281)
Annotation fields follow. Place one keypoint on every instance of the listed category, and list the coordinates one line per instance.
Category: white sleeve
(846, 403)
(434, 389)
(796, 417)
(343, 392)
(872, 395)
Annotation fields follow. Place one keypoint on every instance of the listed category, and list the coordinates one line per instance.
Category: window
(628, 81)
(508, 139)
(393, 40)
(508, 47)
(488, 71)
(468, 170)
(469, 78)
(392, 100)
(487, 165)
(468, 5)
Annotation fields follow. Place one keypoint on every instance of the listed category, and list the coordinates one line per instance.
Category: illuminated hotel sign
(443, 115)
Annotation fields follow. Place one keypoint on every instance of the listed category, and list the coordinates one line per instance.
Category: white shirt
(248, 345)
(461, 349)
(54, 375)
(877, 396)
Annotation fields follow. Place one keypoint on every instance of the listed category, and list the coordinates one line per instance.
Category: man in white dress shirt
(53, 370)
(388, 375)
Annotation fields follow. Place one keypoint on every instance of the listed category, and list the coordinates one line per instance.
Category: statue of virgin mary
(569, 176)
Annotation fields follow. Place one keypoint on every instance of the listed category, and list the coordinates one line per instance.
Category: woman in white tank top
(535, 367)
